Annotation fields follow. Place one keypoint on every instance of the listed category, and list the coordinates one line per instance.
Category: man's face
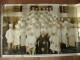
(11, 27)
(33, 8)
(22, 26)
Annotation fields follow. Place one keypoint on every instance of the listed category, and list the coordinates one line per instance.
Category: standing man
(10, 36)
(17, 37)
(23, 37)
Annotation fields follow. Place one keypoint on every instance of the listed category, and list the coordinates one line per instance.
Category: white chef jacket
(55, 44)
(54, 29)
(23, 36)
(10, 35)
(71, 36)
(31, 39)
(76, 33)
(17, 37)
(49, 31)
(59, 34)
(43, 30)
(64, 33)
(37, 32)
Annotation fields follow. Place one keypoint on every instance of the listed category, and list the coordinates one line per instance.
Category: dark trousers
(63, 46)
(78, 47)
(23, 49)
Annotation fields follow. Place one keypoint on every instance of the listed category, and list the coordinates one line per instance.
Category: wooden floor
(45, 58)
(41, 2)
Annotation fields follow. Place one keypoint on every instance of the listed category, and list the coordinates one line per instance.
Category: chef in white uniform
(43, 28)
(31, 42)
(46, 11)
(49, 29)
(77, 34)
(59, 31)
(23, 34)
(32, 11)
(54, 39)
(19, 23)
(17, 37)
(37, 29)
(61, 19)
(43, 11)
(71, 35)
(31, 37)
(64, 34)
(54, 27)
(10, 36)
(39, 12)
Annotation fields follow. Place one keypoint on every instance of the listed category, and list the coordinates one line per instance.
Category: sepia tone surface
(41, 1)
(8, 17)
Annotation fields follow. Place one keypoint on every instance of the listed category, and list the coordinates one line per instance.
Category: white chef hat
(16, 26)
(65, 22)
(22, 24)
(30, 16)
(41, 15)
(52, 15)
(40, 20)
(19, 22)
(42, 24)
(61, 18)
(55, 18)
(51, 19)
(10, 25)
(32, 30)
(50, 23)
(33, 18)
(21, 19)
(37, 24)
(54, 22)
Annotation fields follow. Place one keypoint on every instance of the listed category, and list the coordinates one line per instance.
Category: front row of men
(41, 38)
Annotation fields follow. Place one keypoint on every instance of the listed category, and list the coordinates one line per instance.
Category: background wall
(72, 11)
(78, 11)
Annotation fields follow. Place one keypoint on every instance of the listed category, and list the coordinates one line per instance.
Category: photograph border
(37, 55)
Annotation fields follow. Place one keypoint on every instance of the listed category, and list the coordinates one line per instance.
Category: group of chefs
(42, 33)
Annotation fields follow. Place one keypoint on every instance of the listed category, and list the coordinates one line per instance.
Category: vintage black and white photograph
(40, 29)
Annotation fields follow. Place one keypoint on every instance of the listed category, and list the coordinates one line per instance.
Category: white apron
(10, 35)
(23, 36)
(54, 43)
(30, 40)
(54, 29)
(37, 33)
(76, 34)
(17, 37)
(64, 35)
(71, 37)
(49, 31)
(59, 34)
